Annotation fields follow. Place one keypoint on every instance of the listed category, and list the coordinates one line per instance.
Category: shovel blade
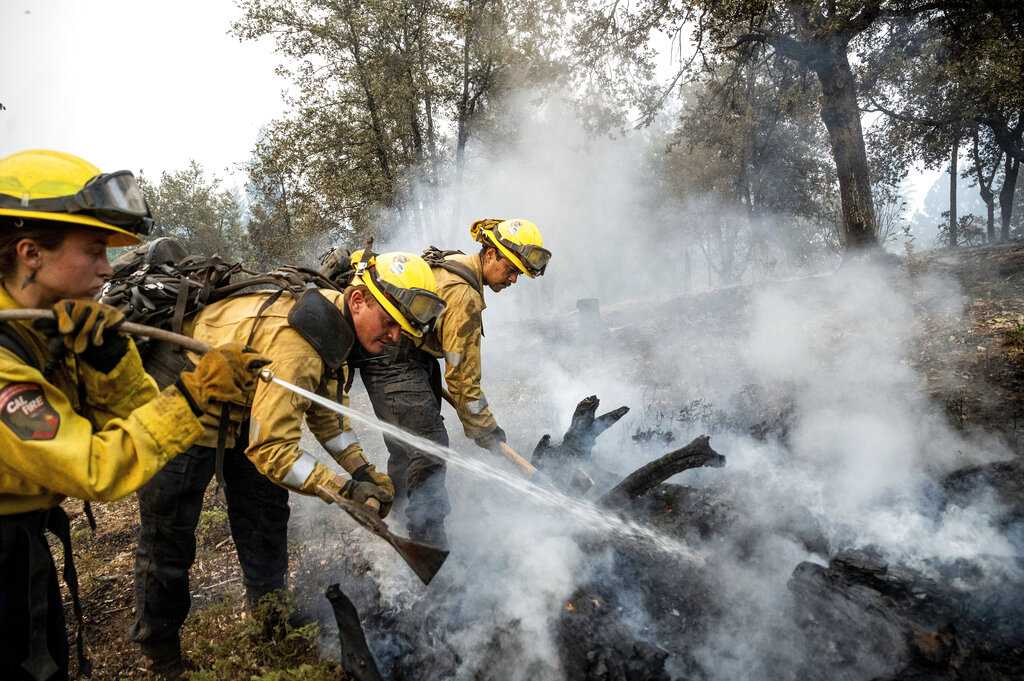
(424, 559)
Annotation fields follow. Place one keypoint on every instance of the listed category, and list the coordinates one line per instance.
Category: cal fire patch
(23, 407)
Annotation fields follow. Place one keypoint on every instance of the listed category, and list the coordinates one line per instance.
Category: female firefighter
(79, 415)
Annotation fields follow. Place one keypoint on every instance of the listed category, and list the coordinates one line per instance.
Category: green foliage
(211, 520)
(226, 647)
(192, 206)
(386, 97)
(950, 79)
(1015, 337)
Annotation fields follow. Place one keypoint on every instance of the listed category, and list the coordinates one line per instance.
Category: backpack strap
(322, 325)
(435, 257)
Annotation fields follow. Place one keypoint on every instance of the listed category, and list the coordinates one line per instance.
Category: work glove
(369, 473)
(361, 491)
(90, 330)
(491, 440)
(228, 373)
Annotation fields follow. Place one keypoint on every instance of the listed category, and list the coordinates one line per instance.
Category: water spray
(586, 513)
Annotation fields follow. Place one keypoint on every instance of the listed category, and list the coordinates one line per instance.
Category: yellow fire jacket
(275, 417)
(456, 337)
(76, 432)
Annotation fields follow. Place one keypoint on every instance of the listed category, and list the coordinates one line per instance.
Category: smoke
(807, 385)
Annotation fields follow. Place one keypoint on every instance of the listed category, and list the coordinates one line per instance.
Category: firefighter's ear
(29, 253)
(357, 300)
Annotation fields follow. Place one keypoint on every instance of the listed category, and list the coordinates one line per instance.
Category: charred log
(697, 454)
(598, 646)
(356, 658)
(866, 618)
(578, 441)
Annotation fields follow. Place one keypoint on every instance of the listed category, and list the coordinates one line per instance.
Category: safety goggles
(420, 307)
(113, 198)
(534, 258)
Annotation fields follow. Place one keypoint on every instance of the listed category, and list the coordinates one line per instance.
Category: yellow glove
(228, 373)
(86, 323)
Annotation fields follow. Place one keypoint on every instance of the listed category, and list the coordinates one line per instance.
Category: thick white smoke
(864, 441)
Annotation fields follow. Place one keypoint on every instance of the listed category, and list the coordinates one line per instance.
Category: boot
(164, 660)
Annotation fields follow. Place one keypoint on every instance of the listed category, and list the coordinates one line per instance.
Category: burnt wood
(356, 658)
(697, 454)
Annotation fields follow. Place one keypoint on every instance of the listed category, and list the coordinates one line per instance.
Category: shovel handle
(514, 456)
(341, 501)
(128, 327)
(506, 450)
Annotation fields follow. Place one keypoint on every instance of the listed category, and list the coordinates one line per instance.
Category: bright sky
(133, 84)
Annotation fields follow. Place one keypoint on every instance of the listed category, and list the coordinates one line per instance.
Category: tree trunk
(953, 175)
(380, 139)
(841, 115)
(985, 186)
(1006, 194)
(990, 203)
(462, 132)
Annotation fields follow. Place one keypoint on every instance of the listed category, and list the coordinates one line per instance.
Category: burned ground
(782, 591)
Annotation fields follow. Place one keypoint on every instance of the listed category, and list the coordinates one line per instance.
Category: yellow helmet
(51, 185)
(403, 284)
(518, 240)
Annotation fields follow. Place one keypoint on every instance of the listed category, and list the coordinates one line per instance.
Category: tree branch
(906, 118)
(783, 44)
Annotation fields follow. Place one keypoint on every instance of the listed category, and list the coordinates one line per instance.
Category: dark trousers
(28, 582)
(169, 506)
(405, 390)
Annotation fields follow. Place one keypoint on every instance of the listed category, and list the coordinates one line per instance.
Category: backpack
(435, 257)
(157, 284)
(336, 265)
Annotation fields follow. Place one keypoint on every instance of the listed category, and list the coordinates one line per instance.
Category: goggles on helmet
(534, 258)
(114, 198)
(420, 307)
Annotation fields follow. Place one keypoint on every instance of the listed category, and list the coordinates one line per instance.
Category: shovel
(580, 482)
(127, 327)
(424, 559)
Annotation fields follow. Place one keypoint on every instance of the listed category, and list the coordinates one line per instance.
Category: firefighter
(80, 418)
(308, 337)
(405, 386)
